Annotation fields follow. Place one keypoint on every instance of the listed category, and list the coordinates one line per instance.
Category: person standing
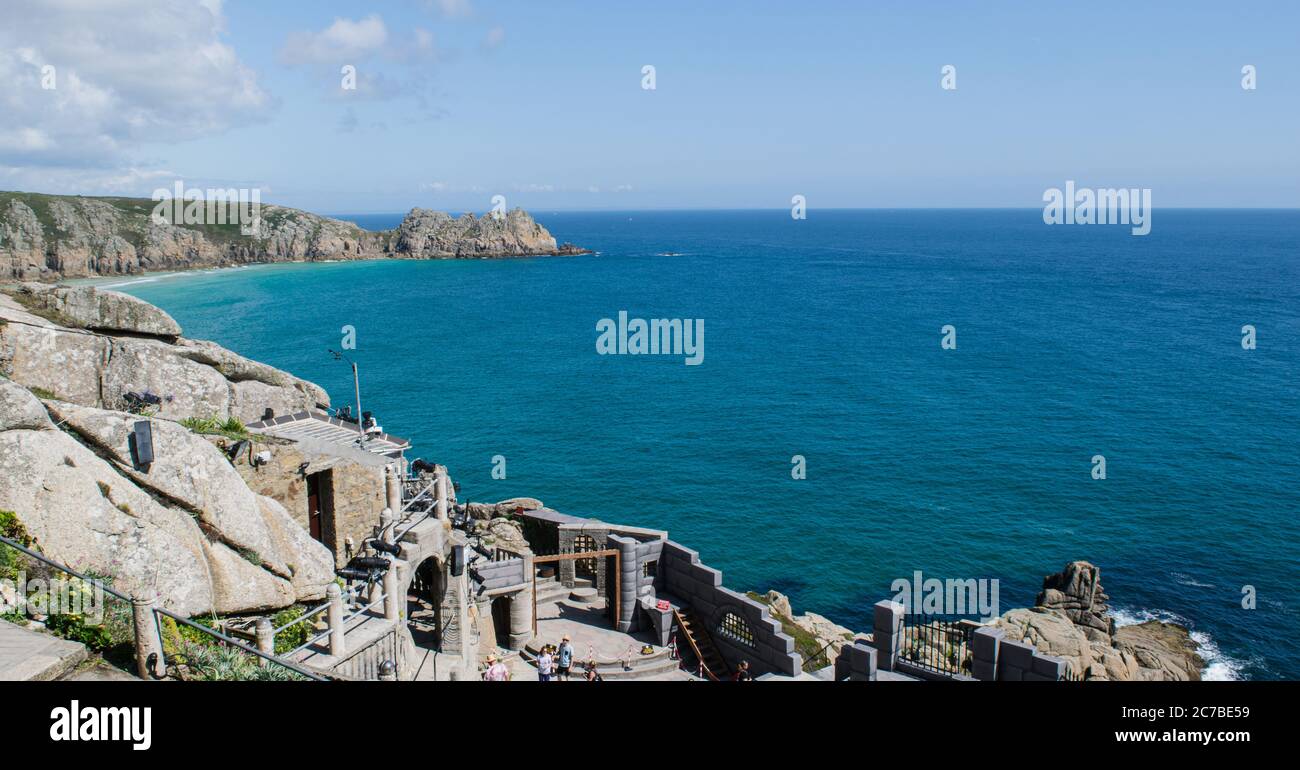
(545, 665)
(564, 660)
(497, 671)
(742, 673)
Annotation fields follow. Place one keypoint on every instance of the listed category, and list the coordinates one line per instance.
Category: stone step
(32, 656)
(657, 665)
(585, 595)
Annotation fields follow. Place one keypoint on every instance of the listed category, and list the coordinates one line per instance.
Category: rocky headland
(48, 237)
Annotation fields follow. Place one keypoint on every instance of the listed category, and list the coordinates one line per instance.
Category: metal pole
(356, 385)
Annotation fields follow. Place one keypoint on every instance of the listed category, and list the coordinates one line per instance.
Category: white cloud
(454, 8)
(124, 72)
(343, 42)
(495, 37)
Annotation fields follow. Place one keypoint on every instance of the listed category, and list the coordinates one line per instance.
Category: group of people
(553, 664)
(556, 663)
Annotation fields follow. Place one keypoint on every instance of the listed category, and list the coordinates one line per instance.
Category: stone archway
(425, 597)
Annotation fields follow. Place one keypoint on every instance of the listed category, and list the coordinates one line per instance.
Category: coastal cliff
(47, 237)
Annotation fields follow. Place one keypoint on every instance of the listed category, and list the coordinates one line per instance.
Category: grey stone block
(706, 575)
(1010, 674)
(983, 670)
(984, 643)
(887, 616)
(1049, 666)
(1016, 654)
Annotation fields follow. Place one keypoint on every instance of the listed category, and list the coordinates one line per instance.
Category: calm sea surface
(822, 339)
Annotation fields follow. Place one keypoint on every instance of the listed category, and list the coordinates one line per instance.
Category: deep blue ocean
(822, 339)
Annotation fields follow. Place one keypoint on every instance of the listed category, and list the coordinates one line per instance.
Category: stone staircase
(550, 589)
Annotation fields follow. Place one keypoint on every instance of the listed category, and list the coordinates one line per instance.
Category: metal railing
(147, 637)
(224, 639)
(818, 656)
(937, 645)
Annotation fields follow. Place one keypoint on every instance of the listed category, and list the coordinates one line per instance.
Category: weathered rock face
(1076, 591)
(1073, 622)
(106, 345)
(108, 311)
(44, 237)
(485, 511)
(826, 633)
(20, 410)
(500, 533)
(186, 527)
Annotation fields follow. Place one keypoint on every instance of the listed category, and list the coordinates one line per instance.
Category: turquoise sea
(823, 340)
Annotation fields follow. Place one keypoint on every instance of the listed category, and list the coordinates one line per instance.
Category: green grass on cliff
(230, 427)
(804, 643)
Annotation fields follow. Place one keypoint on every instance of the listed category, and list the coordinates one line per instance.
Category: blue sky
(460, 100)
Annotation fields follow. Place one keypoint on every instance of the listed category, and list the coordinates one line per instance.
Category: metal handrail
(309, 642)
(296, 621)
(363, 610)
(698, 657)
(217, 634)
(69, 570)
(817, 654)
(160, 611)
(397, 536)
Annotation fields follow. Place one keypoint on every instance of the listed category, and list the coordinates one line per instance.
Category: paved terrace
(319, 426)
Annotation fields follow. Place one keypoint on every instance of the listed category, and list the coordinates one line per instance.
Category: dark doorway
(320, 506)
(501, 619)
(424, 604)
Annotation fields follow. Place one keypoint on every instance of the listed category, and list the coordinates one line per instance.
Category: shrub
(293, 636)
(230, 427)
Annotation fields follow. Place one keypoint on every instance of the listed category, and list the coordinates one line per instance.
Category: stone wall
(356, 486)
(1003, 660)
(681, 574)
(495, 575)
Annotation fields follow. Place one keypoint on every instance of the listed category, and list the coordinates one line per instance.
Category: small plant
(48, 395)
(250, 556)
(224, 663)
(230, 427)
(295, 635)
(105, 490)
(12, 528)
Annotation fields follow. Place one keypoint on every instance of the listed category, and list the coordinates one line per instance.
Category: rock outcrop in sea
(47, 237)
(188, 530)
(1071, 620)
